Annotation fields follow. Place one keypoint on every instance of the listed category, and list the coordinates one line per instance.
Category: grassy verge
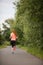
(34, 51)
(4, 45)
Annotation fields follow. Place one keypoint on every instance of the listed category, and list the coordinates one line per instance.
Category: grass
(4, 45)
(34, 51)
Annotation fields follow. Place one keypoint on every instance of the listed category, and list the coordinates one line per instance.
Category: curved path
(20, 57)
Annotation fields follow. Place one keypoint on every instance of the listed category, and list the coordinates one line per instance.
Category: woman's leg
(14, 47)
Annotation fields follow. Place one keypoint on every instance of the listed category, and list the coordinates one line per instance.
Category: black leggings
(13, 43)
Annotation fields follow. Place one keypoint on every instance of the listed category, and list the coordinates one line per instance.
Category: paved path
(20, 57)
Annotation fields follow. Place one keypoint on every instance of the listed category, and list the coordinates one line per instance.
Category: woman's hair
(14, 31)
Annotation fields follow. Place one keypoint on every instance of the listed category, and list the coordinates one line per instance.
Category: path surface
(20, 57)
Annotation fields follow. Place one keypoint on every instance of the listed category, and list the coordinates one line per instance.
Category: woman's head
(14, 31)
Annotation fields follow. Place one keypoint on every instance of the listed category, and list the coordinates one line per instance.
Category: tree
(11, 23)
(1, 37)
(6, 31)
(29, 19)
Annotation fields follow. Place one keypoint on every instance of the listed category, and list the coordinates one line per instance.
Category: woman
(13, 38)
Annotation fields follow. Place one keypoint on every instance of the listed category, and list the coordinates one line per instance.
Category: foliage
(7, 34)
(11, 23)
(33, 50)
(29, 19)
(1, 38)
(4, 34)
(6, 43)
(19, 34)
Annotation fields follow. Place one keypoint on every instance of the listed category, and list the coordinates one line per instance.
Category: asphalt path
(20, 57)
